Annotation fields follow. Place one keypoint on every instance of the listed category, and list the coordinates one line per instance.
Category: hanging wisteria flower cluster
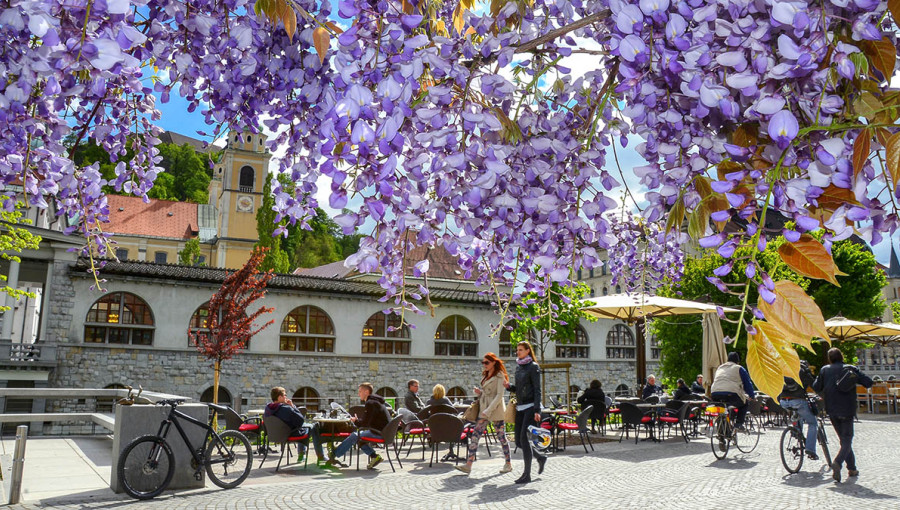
(439, 125)
(645, 257)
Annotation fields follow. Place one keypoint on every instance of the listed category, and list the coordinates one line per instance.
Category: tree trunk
(216, 370)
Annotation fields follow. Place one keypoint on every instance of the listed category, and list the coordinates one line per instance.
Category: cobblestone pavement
(654, 476)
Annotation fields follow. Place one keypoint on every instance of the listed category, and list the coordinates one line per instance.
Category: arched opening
(385, 334)
(119, 318)
(455, 336)
(390, 396)
(620, 343)
(308, 329)
(456, 393)
(224, 396)
(577, 348)
(246, 179)
(108, 404)
(307, 397)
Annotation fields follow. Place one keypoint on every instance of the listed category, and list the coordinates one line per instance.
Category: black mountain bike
(724, 433)
(793, 442)
(147, 464)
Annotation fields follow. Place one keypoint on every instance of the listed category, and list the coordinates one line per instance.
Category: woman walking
(492, 409)
(528, 405)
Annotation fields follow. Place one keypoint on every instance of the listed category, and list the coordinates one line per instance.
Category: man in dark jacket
(841, 408)
(682, 392)
(593, 396)
(374, 419)
(283, 408)
(412, 401)
(697, 385)
(793, 396)
(650, 388)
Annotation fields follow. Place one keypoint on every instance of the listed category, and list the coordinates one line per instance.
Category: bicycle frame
(172, 418)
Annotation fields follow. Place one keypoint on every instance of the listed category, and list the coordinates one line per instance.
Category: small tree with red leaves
(230, 327)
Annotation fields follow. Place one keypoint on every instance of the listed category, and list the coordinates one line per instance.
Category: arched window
(618, 289)
(577, 348)
(654, 347)
(108, 404)
(200, 324)
(384, 334)
(119, 318)
(307, 328)
(246, 179)
(620, 343)
(573, 393)
(456, 392)
(306, 397)
(622, 390)
(390, 396)
(455, 336)
(224, 396)
(507, 349)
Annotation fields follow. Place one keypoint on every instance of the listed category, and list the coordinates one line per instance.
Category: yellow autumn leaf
(764, 365)
(459, 18)
(790, 360)
(809, 258)
(794, 313)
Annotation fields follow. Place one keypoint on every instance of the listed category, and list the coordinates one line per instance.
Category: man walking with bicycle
(839, 381)
(793, 396)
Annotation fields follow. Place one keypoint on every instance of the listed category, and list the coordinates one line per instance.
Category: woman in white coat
(492, 409)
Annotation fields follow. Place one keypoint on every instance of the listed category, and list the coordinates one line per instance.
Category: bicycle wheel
(747, 438)
(823, 442)
(146, 467)
(228, 459)
(792, 449)
(719, 439)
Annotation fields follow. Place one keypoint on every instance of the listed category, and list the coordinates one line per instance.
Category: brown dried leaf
(334, 28)
(794, 313)
(289, 18)
(746, 134)
(809, 258)
(892, 157)
(882, 54)
(861, 149)
(321, 40)
(894, 7)
(701, 184)
(833, 197)
(867, 105)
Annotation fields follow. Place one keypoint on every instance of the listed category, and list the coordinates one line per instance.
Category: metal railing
(27, 353)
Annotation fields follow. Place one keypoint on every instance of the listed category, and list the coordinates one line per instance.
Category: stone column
(12, 281)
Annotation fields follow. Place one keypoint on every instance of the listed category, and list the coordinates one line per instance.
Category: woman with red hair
(492, 409)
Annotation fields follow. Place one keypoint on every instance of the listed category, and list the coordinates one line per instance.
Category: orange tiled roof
(158, 218)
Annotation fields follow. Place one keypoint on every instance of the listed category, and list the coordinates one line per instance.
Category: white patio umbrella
(841, 329)
(637, 307)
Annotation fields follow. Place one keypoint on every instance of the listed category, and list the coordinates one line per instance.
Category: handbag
(471, 414)
(510, 416)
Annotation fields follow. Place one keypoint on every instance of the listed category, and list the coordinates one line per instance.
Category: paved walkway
(653, 476)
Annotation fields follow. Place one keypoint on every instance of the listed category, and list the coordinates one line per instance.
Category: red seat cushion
(419, 431)
(568, 426)
(646, 419)
(462, 437)
(298, 438)
(339, 434)
(248, 427)
(372, 439)
(668, 419)
(546, 426)
(613, 410)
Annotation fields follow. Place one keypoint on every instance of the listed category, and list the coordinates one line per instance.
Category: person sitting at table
(374, 419)
(682, 392)
(283, 408)
(697, 385)
(650, 388)
(593, 395)
(438, 397)
(412, 401)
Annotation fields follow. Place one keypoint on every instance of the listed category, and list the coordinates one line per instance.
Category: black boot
(525, 478)
(541, 461)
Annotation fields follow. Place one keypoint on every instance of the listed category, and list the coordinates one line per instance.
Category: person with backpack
(838, 382)
(793, 396)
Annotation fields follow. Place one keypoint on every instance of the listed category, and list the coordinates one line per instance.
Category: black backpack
(847, 379)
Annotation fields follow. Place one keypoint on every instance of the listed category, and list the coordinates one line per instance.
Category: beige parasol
(713, 347)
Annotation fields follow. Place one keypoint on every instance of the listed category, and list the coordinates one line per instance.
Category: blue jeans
(807, 417)
(347, 444)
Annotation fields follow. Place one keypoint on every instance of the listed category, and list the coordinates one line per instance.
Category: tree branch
(561, 31)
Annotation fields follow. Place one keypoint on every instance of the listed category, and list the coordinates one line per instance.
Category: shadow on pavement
(733, 463)
(491, 493)
(808, 479)
(854, 490)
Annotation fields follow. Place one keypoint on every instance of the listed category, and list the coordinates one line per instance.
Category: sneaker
(464, 469)
(335, 462)
(507, 468)
(723, 447)
(853, 472)
(812, 455)
(374, 461)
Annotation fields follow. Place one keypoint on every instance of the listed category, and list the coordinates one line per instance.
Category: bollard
(15, 488)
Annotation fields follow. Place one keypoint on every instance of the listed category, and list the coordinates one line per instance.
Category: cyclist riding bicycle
(732, 386)
(793, 396)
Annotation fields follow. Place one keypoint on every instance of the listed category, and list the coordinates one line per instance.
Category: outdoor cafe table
(334, 425)
(654, 409)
